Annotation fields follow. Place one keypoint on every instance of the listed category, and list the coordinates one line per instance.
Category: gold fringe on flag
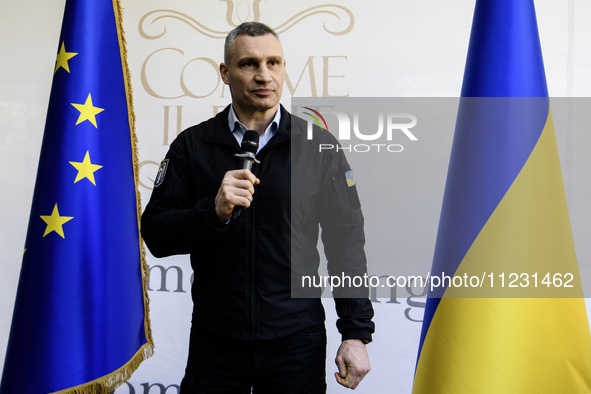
(110, 382)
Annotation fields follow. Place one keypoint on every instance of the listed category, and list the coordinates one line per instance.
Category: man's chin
(264, 107)
(261, 106)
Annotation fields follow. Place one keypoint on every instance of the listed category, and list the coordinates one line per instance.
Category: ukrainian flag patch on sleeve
(350, 178)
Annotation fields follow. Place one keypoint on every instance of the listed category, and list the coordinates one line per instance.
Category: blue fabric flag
(80, 321)
(504, 212)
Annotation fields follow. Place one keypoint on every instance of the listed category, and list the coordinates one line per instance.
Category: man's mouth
(263, 92)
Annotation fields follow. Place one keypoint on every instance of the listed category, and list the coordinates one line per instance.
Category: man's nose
(263, 74)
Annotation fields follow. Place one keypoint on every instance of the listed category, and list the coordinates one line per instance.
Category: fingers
(243, 174)
(351, 379)
(237, 188)
(342, 374)
(340, 380)
(352, 362)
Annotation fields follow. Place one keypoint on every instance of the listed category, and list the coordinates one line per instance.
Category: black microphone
(249, 147)
(248, 150)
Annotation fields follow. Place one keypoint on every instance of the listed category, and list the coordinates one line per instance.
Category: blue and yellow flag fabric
(505, 221)
(80, 321)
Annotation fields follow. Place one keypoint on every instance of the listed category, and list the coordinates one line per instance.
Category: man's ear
(224, 72)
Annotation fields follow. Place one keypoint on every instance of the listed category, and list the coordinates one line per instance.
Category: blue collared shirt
(238, 129)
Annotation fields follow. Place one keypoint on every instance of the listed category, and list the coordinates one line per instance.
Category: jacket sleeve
(175, 221)
(344, 240)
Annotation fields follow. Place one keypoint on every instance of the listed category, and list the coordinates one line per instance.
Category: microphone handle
(245, 164)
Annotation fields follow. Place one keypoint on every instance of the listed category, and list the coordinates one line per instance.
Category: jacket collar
(220, 133)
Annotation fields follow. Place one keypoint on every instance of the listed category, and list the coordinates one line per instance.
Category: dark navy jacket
(244, 270)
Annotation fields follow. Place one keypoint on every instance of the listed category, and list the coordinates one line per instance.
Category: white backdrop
(386, 48)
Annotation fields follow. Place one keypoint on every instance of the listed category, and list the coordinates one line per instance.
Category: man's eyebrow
(257, 59)
(248, 59)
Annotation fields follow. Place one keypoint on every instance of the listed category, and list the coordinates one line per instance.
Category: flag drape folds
(80, 322)
(504, 211)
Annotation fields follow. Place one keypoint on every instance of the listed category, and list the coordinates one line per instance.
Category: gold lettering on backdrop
(338, 20)
(223, 90)
(149, 181)
(242, 13)
(217, 109)
(187, 92)
(170, 73)
(325, 76)
(144, 78)
(310, 66)
(327, 9)
(213, 64)
(179, 117)
(214, 74)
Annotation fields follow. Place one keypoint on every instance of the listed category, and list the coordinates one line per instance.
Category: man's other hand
(237, 188)
(353, 363)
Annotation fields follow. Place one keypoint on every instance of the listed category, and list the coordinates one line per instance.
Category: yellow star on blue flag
(62, 58)
(80, 321)
(87, 111)
(55, 222)
(85, 169)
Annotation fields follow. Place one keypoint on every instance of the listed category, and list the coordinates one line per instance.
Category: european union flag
(80, 321)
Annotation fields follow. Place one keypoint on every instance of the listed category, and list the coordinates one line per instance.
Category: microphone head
(250, 142)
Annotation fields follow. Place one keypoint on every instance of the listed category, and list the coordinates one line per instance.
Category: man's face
(255, 73)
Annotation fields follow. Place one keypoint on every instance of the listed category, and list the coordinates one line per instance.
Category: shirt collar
(238, 129)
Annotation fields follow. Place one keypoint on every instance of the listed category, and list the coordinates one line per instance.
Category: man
(248, 332)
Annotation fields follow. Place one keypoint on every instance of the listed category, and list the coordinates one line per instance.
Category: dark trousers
(290, 365)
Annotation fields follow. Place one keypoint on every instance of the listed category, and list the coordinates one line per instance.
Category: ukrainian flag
(504, 212)
(80, 322)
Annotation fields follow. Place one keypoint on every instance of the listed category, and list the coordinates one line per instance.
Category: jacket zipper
(253, 253)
